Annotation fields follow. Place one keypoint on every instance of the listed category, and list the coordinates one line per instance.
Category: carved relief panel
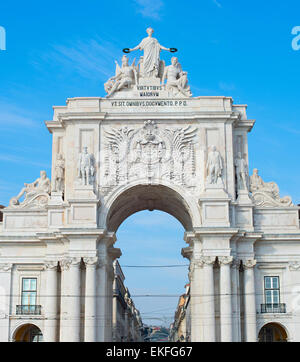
(150, 152)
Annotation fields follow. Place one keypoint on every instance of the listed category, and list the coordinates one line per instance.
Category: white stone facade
(149, 146)
(126, 320)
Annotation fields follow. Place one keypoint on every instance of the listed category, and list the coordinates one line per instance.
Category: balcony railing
(28, 309)
(273, 308)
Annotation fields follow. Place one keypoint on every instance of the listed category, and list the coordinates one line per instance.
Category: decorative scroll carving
(36, 193)
(266, 194)
(5, 267)
(65, 264)
(294, 265)
(249, 263)
(52, 265)
(208, 260)
(91, 261)
(199, 262)
(224, 260)
(150, 152)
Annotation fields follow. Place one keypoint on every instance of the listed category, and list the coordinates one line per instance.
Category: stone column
(104, 332)
(249, 300)
(235, 301)
(225, 298)
(70, 308)
(64, 300)
(51, 302)
(6, 306)
(195, 276)
(105, 274)
(90, 332)
(209, 329)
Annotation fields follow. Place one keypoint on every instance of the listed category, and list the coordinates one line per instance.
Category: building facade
(126, 320)
(180, 329)
(149, 145)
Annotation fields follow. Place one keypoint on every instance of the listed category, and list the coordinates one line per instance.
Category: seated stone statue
(266, 193)
(257, 184)
(176, 78)
(40, 186)
(124, 78)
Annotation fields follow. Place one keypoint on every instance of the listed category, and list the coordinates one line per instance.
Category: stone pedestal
(243, 197)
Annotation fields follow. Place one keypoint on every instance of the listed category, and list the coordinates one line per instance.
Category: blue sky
(64, 49)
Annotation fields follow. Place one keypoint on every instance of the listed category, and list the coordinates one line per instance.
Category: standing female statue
(151, 48)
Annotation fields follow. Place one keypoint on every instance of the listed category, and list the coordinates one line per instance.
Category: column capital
(249, 263)
(294, 265)
(51, 264)
(67, 262)
(225, 260)
(199, 262)
(91, 261)
(208, 260)
(5, 267)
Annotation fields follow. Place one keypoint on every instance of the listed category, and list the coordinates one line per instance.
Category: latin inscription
(149, 103)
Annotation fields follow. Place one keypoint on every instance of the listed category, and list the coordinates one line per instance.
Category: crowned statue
(151, 57)
(149, 68)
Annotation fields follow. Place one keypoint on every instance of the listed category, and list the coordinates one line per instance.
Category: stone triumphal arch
(149, 145)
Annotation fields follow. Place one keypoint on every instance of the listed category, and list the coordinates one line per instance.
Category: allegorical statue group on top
(149, 66)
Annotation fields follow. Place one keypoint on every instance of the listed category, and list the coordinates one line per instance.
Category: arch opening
(149, 197)
(272, 332)
(155, 272)
(28, 333)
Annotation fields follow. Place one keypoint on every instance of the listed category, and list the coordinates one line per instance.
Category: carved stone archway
(272, 332)
(150, 197)
(28, 333)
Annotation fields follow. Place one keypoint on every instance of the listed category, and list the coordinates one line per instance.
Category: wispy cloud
(150, 9)
(217, 3)
(93, 58)
(226, 86)
(21, 160)
(12, 115)
(290, 129)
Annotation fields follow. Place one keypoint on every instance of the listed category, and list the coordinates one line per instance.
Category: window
(29, 294)
(272, 295)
